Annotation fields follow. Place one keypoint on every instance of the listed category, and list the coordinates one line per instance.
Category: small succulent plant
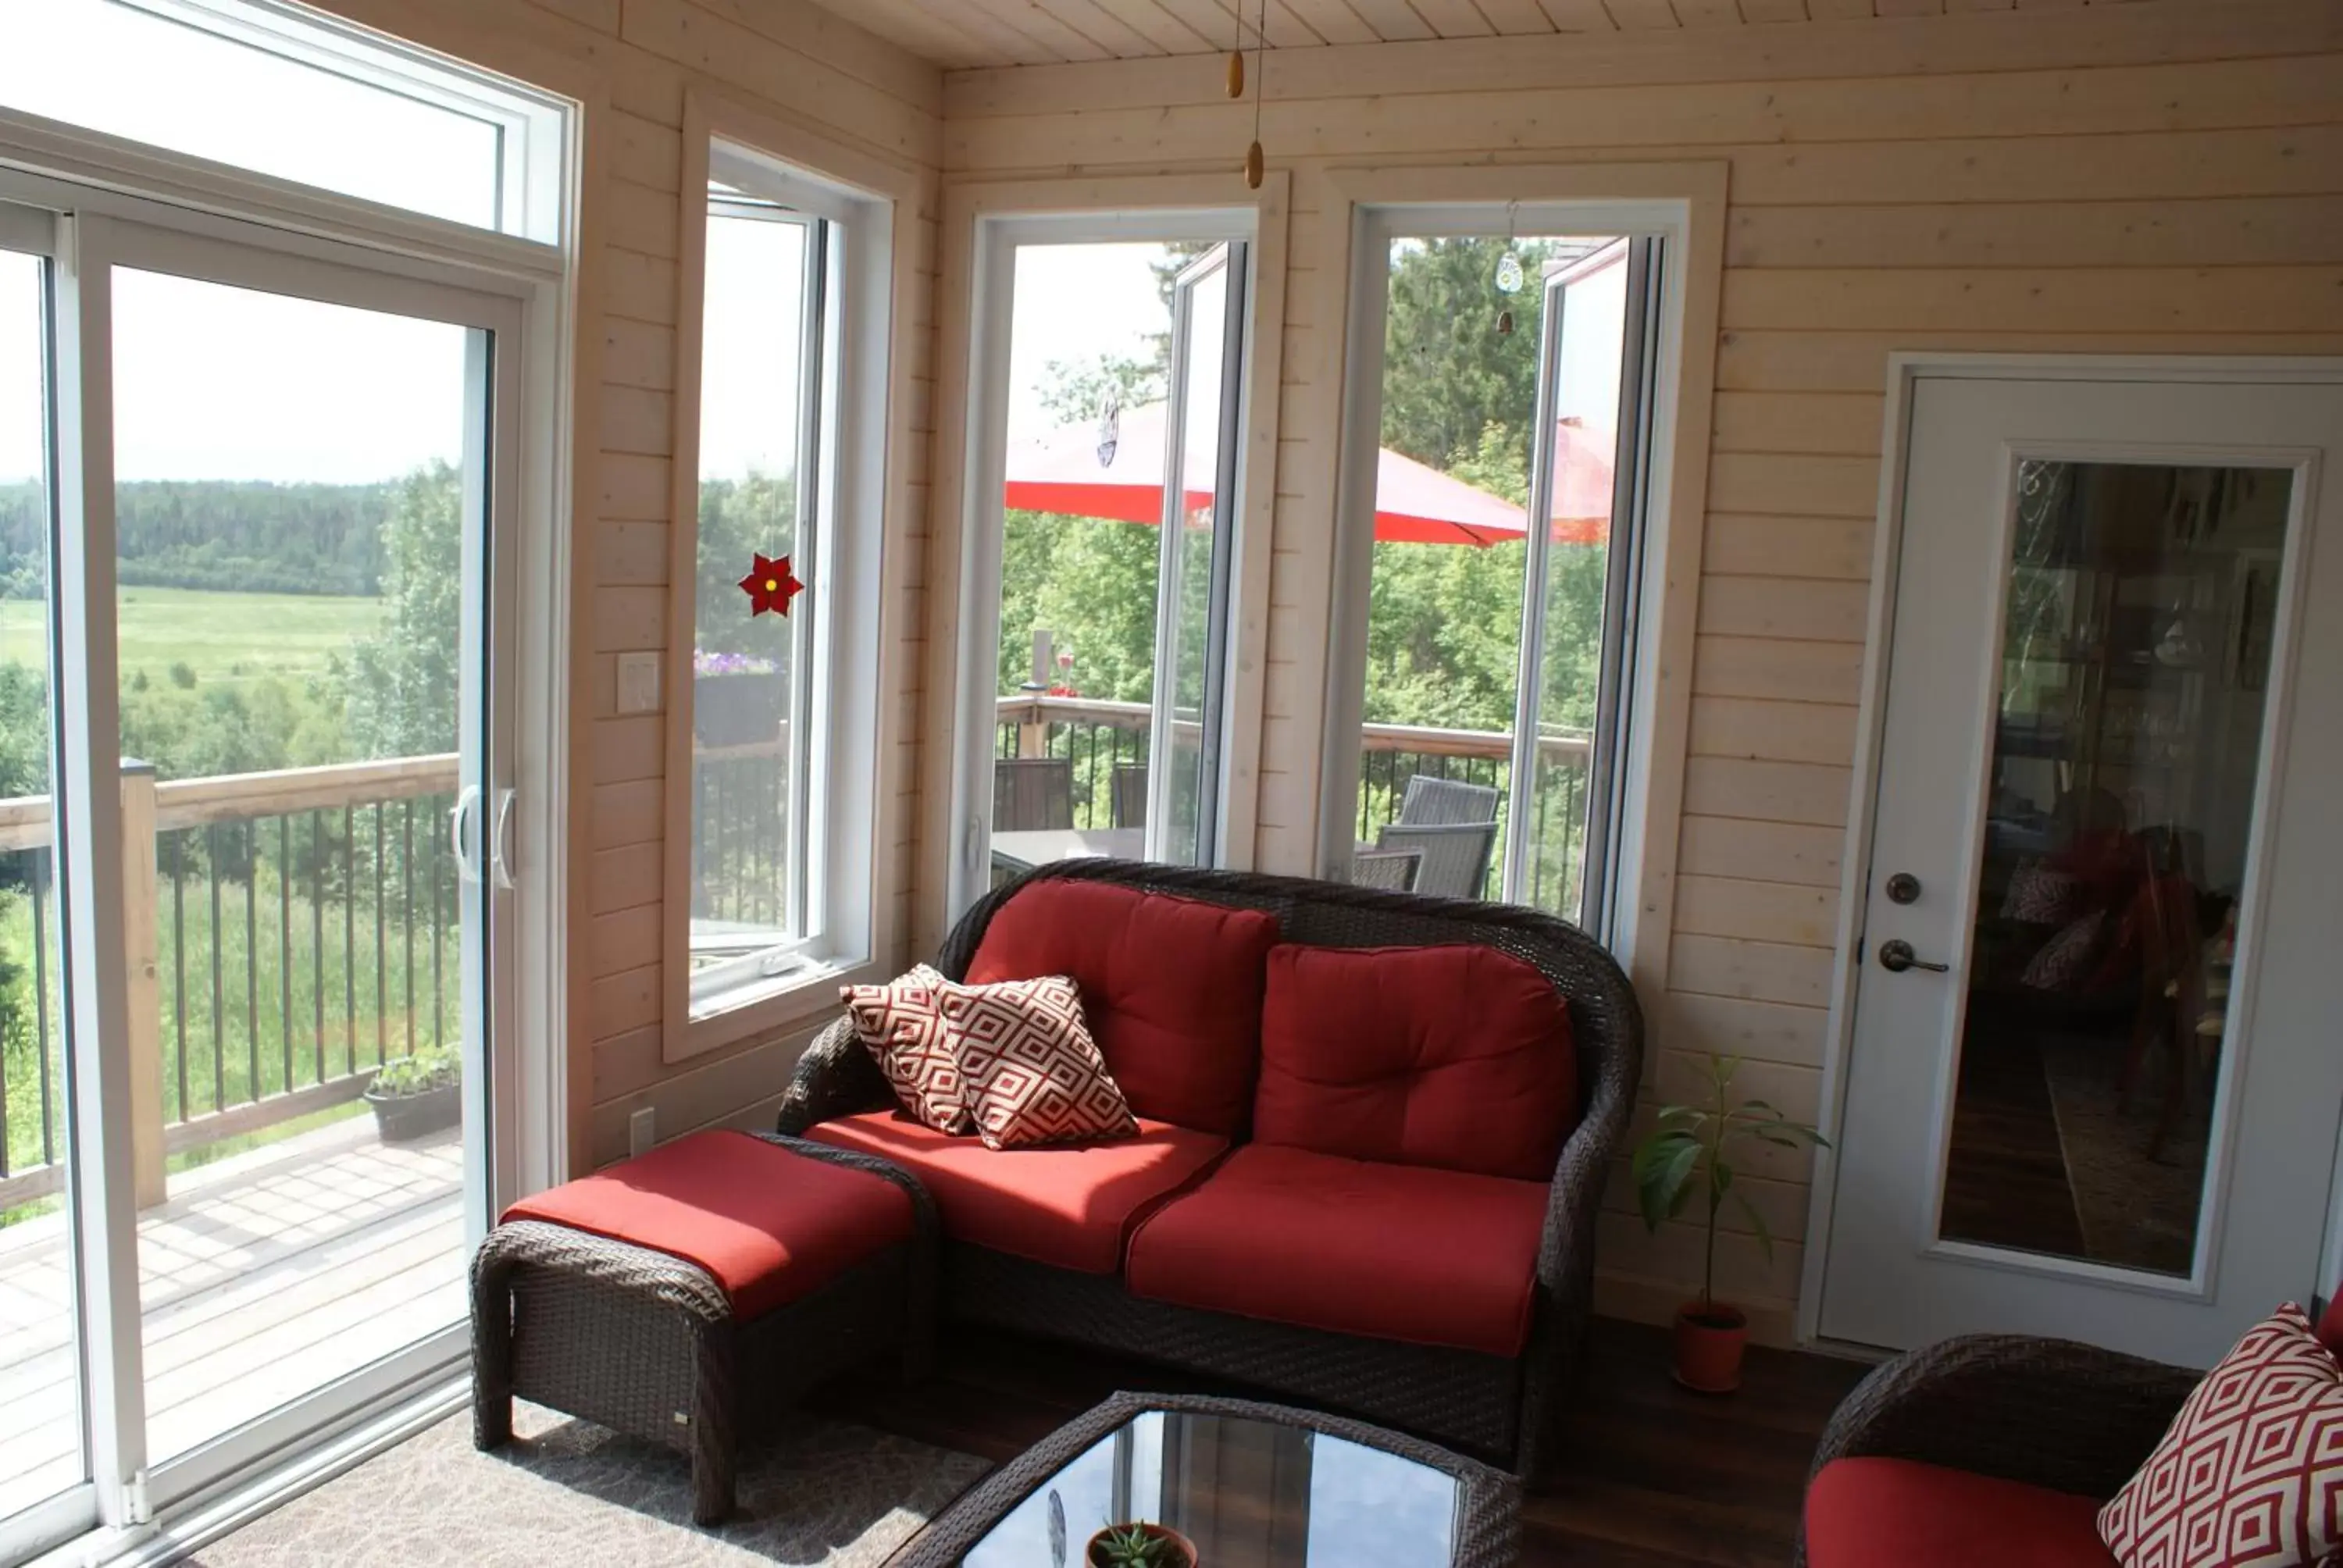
(1133, 1546)
(403, 1077)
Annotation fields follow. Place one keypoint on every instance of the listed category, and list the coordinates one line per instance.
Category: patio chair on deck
(1032, 793)
(1455, 855)
(1434, 802)
(1392, 869)
(1127, 803)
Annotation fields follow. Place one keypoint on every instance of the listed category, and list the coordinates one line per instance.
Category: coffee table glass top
(1244, 1491)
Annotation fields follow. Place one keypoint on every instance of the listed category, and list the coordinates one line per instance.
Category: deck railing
(1097, 736)
(286, 933)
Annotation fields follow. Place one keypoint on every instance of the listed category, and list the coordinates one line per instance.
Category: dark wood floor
(1652, 1476)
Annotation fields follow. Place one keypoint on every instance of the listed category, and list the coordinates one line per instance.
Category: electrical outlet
(638, 682)
(642, 1130)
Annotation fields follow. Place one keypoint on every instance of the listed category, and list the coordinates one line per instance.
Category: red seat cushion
(1069, 1205)
(768, 1225)
(1457, 1056)
(1172, 988)
(1862, 1512)
(1389, 1251)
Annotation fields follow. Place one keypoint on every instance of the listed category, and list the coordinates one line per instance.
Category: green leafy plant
(1691, 1149)
(404, 1077)
(1133, 1546)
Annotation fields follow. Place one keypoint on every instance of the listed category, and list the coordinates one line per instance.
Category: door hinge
(135, 1505)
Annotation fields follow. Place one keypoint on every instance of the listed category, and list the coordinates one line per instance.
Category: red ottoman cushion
(1863, 1513)
(1068, 1205)
(1390, 1252)
(1456, 1056)
(768, 1225)
(1172, 988)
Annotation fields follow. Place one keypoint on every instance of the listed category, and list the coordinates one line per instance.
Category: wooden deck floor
(261, 1277)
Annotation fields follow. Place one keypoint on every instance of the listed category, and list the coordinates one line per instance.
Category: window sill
(787, 1003)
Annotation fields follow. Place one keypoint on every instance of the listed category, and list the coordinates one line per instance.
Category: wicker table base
(646, 1343)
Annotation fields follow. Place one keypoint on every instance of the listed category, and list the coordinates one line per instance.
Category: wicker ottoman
(685, 1296)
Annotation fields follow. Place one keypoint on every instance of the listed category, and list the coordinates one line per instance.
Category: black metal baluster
(317, 937)
(381, 973)
(220, 1032)
(40, 1002)
(350, 942)
(438, 1015)
(251, 958)
(407, 869)
(179, 962)
(285, 944)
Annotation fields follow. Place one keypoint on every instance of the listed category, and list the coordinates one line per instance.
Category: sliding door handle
(463, 822)
(500, 840)
(1897, 956)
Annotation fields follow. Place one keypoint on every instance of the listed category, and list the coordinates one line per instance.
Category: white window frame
(533, 129)
(1683, 204)
(840, 696)
(987, 228)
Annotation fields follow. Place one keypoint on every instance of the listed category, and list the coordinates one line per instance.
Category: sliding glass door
(249, 1117)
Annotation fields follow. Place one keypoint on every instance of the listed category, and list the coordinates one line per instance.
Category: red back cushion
(1172, 988)
(2330, 1325)
(1455, 1056)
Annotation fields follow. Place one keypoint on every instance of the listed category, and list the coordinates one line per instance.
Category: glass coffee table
(1257, 1484)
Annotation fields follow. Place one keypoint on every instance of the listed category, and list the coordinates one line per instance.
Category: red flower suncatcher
(770, 585)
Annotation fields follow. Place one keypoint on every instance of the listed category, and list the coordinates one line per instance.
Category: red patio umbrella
(1076, 472)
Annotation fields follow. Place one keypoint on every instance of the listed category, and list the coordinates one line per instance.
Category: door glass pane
(40, 1381)
(1080, 559)
(1589, 367)
(295, 519)
(1460, 398)
(759, 351)
(1188, 617)
(2139, 608)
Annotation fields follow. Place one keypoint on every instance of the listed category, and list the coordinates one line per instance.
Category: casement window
(273, 90)
(774, 710)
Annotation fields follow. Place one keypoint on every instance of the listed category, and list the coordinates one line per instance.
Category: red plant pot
(1709, 1340)
(1183, 1554)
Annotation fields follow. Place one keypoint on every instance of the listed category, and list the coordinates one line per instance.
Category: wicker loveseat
(1003, 1266)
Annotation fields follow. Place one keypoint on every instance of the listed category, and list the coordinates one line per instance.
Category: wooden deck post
(143, 959)
(1033, 730)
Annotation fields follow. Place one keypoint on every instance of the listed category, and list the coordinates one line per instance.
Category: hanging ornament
(1509, 273)
(1110, 430)
(1253, 163)
(1236, 70)
(1504, 324)
(770, 585)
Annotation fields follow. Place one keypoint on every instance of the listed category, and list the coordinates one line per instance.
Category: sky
(1073, 303)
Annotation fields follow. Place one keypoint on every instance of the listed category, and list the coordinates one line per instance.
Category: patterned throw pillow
(2251, 1472)
(1028, 1068)
(903, 1027)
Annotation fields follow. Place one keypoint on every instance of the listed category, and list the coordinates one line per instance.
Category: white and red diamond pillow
(1029, 1071)
(2250, 1475)
(902, 1025)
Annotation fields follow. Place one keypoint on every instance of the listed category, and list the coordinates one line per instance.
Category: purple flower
(704, 662)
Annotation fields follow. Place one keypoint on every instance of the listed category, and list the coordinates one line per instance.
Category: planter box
(403, 1118)
(737, 709)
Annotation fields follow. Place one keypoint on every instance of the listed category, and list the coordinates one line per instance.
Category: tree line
(245, 536)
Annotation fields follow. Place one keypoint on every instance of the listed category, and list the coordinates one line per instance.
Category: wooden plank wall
(632, 62)
(2162, 175)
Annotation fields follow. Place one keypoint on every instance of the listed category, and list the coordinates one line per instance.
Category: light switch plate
(642, 1130)
(638, 682)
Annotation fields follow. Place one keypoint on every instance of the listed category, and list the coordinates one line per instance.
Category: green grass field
(220, 636)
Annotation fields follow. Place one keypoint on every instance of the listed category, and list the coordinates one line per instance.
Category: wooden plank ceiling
(964, 35)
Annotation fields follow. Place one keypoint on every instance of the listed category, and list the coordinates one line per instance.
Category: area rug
(2136, 1212)
(567, 1493)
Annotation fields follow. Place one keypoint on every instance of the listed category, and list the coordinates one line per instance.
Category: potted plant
(1691, 1149)
(1140, 1545)
(414, 1095)
(736, 697)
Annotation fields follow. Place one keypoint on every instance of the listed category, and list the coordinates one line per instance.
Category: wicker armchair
(1498, 1408)
(2052, 1413)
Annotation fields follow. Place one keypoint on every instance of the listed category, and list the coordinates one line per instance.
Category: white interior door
(2092, 1088)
